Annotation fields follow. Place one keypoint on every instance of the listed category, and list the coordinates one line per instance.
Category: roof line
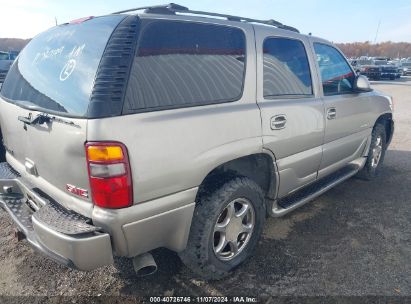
(172, 9)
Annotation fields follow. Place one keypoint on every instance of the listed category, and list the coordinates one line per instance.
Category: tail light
(109, 174)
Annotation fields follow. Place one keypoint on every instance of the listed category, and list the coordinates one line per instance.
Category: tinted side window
(337, 76)
(286, 68)
(180, 64)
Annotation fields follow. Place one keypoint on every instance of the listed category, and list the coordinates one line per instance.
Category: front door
(347, 128)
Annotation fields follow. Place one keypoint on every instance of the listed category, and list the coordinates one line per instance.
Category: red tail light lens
(109, 174)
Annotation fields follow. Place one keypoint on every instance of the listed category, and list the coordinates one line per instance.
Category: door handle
(331, 113)
(278, 122)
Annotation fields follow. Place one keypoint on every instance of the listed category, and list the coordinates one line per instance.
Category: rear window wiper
(44, 118)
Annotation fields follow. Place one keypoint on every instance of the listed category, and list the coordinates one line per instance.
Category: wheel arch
(259, 167)
(386, 120)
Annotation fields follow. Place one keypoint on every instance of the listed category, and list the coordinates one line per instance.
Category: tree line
(354, 49)
(12, 44)
(383, 49)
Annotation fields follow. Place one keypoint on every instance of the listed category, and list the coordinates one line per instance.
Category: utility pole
(378, 29)
(55, 19)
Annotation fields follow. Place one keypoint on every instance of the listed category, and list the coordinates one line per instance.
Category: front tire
(2, 149)
(226, 227)
(376, 153)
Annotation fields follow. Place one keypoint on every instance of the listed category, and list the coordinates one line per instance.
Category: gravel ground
(354, 240)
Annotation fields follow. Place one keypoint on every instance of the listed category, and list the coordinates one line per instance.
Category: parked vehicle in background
(6, 60)
(377, 68)
(371, 70)
(398, 66)
(388, 71)
(13, 55)
(180, 131)
(406, 68)
(355, 65)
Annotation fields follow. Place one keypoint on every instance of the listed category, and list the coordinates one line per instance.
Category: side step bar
(307, 194)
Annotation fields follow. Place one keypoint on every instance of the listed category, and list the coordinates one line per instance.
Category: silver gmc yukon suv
(165, 127)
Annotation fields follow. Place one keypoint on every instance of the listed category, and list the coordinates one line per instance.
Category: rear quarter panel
(174, 150)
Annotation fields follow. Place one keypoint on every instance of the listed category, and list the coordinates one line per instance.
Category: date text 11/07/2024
(222, 299)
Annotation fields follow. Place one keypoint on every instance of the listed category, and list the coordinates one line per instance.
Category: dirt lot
(353, 241)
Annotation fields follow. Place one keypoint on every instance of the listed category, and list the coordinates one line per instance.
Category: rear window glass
(56, 70)
(180, 64)
(286, 68)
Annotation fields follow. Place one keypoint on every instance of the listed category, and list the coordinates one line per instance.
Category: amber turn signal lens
(105, 153)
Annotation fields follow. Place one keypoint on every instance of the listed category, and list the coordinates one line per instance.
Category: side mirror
(361, 84)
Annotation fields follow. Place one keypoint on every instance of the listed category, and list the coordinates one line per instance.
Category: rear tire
(376, 153)
(226, 227)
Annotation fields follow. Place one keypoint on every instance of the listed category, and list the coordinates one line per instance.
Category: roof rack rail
(172, 9)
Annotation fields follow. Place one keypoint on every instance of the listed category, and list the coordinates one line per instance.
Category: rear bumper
(62, 235)
(70, 239)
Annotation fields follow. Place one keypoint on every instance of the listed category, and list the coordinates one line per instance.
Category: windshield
(55, 71)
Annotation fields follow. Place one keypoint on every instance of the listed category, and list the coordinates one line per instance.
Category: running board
(307, 194)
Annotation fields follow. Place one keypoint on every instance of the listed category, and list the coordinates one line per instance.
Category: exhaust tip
(144, 265)
(146, 271)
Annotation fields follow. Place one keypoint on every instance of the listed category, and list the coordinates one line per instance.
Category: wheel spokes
(376, 152)
(247, 229)
(222, 243)
(243, 211)
(233, 247)
(233, 229)
(222, 226)
(230, 210)
(378, 141)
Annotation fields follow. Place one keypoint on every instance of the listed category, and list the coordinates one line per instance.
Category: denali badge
(76, 191)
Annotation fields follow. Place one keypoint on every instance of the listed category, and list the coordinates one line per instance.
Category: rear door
(292, 112)
(347, 112)
(44, 103)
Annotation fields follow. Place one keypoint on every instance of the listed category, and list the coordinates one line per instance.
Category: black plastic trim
(112, 76)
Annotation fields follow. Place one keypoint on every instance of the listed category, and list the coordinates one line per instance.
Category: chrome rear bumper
(61, 234)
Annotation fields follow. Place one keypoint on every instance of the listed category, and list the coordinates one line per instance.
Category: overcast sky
(338, 21)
